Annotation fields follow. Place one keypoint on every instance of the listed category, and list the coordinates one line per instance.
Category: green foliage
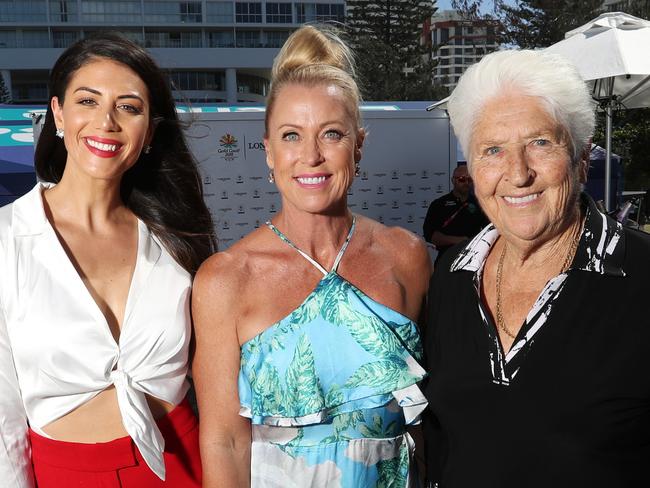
(639, 8)
(533, 24)
(631, 141)
(540, 23)
(393, 48)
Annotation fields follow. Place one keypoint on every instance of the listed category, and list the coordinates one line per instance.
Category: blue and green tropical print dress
(330, 390)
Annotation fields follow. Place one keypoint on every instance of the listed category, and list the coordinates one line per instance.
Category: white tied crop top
(63, 349)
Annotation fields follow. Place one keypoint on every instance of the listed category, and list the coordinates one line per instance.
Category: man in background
(454, 217)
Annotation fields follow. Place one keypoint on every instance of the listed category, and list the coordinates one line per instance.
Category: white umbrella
(611, 52)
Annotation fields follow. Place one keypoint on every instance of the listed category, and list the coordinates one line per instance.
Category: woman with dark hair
(97, 263)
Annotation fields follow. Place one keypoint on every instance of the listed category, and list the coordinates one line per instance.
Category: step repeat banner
(407, 159)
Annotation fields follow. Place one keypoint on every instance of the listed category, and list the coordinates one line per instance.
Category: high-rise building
(214, 50)
(458, 43)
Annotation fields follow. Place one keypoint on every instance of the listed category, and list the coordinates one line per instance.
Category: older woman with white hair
(538, 347)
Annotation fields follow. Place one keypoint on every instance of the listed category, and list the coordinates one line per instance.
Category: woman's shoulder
(228, 272)
(637, 248)
(407, 251)
(395, 240)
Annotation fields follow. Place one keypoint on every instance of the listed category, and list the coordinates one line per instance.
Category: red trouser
(118, 463)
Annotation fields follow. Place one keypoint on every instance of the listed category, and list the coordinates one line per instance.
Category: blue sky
(443, 4)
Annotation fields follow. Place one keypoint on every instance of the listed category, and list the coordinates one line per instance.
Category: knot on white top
(120, 378)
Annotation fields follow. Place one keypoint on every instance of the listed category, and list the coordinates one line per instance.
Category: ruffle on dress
(338, 352)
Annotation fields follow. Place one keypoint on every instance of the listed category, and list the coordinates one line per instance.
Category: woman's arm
(413, 269)
(225, 436)
(15, 462)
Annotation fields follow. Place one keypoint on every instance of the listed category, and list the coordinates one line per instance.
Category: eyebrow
(295, 126)
(97, 92)
(289, 126)
(529, 135)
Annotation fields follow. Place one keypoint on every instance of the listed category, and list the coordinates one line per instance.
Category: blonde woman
(307, 345)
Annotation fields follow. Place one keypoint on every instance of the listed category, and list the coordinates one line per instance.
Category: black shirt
(569, 406)
(450, 215)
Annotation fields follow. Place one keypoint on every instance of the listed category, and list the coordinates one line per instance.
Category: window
(173, 12)
(36, 38)
(8, 39)
(444, 35)
(458, 50)
(23, 11)
(133, 35)
(320, 12)
(276, 38)
(458, 70)
(278, 13)
(458, 60)
(190, 12)
(220, 12)
(326, 12)
(248, 39)
(252, 84)
(444, 51)
(248, 13)
(221, 39)
(444, 62)
(198, 80)
(64, 11)
(111, 11)
(32, 92)
(64, 38)
(182, 39)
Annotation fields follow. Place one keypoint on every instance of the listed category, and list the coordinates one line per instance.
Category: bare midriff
(99, 419)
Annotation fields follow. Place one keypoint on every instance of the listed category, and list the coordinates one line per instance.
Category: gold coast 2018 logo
(229, 149)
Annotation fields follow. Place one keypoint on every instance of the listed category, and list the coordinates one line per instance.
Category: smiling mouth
(522, 200)
(103, 147)
(315, 180)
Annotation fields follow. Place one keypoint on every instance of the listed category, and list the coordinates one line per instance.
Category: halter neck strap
(308, 257)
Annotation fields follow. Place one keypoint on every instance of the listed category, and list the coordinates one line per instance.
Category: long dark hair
(164, 187)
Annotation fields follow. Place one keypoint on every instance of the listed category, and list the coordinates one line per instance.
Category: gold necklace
(565, 266)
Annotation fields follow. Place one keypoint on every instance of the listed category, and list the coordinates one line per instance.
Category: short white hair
(550, 77)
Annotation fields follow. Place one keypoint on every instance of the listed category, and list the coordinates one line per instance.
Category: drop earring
(271, 177)
(146, 149)
(59, 133)
(357, 168)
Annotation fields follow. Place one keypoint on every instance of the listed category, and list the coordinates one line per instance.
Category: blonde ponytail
(314, 56)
